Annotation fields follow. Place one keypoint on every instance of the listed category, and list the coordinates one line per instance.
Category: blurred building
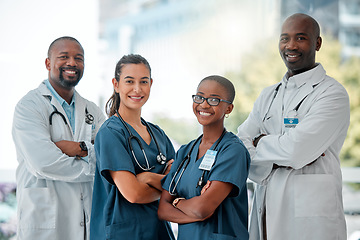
(349, 21)
(186, 40)
(326, 12)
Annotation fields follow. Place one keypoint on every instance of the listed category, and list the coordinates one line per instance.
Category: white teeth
(71, 72)
(204, 113)
(136, 98)
(292, 56)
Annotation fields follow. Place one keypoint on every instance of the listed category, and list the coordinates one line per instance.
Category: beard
(69, 83)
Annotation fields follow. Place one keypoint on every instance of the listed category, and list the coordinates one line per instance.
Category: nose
(71, 61)
(137, 88)
(291, 44)
(205, 104)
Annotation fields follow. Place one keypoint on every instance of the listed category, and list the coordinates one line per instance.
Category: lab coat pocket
(38, 209)
(315, 195)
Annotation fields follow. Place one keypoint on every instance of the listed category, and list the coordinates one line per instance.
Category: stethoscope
(295, 110)
(272, 101)
(89, 119)
(185, 162)
(160, 158)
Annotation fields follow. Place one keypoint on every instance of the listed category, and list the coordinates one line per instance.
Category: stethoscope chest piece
(161, 158)
(89, 119)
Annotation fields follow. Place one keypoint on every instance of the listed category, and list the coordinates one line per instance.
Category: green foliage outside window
(263, 67)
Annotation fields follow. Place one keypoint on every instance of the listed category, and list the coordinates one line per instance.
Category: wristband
(176, 201)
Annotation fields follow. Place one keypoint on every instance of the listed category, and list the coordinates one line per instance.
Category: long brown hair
(113, 103)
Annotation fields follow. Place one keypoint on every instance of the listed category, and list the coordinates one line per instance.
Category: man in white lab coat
(294, 134)
(53, 130)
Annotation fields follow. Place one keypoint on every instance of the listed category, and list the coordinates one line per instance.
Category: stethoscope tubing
(89, 118)
(185, 162)
(161, 159)
(56, 112)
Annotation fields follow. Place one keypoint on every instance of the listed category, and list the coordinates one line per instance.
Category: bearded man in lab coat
(53, 130)
(297, 128)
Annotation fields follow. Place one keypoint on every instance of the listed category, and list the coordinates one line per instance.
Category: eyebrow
(212, 95)
(79, 54)
(134, 78)
(297, 34)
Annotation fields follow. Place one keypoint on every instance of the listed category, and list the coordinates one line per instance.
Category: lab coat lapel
(304, 90)
(80, 124)
(306, 83)
(47, 94)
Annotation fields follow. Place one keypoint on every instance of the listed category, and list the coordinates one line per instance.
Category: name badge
(291, 122)
(208, 160)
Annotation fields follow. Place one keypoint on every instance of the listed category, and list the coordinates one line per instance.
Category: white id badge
(208, 160)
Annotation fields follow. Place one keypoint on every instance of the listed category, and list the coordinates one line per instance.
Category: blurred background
(184, 41)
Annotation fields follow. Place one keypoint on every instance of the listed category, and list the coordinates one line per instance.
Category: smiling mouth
(136, 98)
(204, 113)
(292, 57)
(69, 72)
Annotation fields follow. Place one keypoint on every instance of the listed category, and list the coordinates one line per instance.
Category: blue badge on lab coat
(291, 122)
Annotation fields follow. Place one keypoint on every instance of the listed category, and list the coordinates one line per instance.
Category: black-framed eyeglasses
(212, 101)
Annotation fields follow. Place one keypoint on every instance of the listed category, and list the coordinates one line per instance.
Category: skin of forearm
(169, 213)
(133, 190)
(152, 179)
(146, 194)
(193, 209)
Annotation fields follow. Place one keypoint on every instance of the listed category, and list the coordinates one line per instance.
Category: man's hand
(70, 148)
(257, 139)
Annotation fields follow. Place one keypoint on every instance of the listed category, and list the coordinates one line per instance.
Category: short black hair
(226, 83)
(60, 39)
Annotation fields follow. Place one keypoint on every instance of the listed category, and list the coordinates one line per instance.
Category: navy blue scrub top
(112, 216)
(230, 219)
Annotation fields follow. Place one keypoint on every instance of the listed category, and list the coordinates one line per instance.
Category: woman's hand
(168, 166)
(203, 190)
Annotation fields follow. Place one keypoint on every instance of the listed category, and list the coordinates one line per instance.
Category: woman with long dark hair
(132, 157)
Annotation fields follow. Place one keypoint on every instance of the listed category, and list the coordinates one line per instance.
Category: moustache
(69, 69)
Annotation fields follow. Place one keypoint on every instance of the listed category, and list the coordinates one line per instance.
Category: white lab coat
(303, 198)
(54, 190)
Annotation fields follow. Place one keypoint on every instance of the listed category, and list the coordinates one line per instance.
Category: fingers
(207, 185)
(168, 166)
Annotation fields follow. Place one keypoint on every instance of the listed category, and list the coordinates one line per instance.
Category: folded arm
(194, 209)
(134, 190)
(42, 157)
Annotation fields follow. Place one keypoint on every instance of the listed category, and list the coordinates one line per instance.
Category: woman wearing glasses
(205, 191)
(132, 158)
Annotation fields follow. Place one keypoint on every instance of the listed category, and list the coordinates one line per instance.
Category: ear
(115, 85)
(229, 108)
(47, 63)
(151, 82)
(318, 43)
